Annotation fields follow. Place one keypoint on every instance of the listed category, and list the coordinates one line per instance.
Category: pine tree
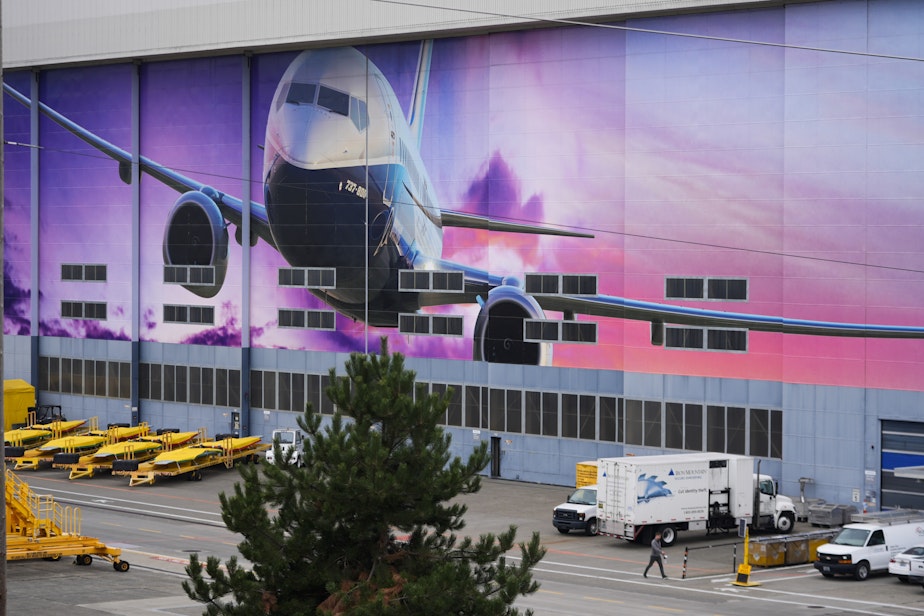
(366, 527)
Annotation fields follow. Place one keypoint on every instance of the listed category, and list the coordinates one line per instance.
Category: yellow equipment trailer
(68, 449)
(38, 527)
(128, 454)
(189, 461)
(17, 441)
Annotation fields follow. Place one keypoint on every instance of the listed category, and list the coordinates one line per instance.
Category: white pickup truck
(289, 439)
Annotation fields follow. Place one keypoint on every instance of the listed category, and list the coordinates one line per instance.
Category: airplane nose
(313, 220)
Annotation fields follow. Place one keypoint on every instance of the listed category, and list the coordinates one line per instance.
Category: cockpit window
(335, 101)
(358, 113)
(301, 93)
(330, 99)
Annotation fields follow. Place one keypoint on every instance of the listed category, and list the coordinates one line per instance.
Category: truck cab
(579, 512)
(288, 440)
(775, 511)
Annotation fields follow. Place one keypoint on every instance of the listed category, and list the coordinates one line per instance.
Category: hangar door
(902, 445)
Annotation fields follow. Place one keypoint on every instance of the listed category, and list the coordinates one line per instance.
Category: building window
(728, 340)
(83, 272)
(497, 410)
(684, 288)
(569, 415)
(736, 419)
(204, 315)
(308, 277)
(549, 413)
(560, 284)
(431, 280)
(693, 427)
(559, 331)
(608, 407)
(83, 310)
(514, 411)
(683, 338)
(307, 319)
(533, 412)
(715, 428)
(698, 338)
(190, 275)
(721, 289)
(728, 289)
(430, 324)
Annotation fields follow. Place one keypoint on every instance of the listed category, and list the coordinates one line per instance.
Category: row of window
(709, 339)
(308, 319)
(556, 284)
(190, 275)
(568, 331)
(83, 310)
(725, 289)
(649, 423)
(430, 324)
(90, 272)
(87, 377)
(734, 289)
(204, 315)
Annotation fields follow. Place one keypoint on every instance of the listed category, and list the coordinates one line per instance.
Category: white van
(861, 549)
(579, 513)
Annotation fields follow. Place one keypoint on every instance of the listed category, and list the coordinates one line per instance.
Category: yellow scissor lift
(38, 527)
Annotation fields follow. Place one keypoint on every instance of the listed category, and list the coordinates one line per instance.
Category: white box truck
(866, 546)
(289, 440)
(640, 495)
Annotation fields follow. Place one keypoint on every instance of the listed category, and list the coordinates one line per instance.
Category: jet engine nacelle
(499, 329)
(196, 234)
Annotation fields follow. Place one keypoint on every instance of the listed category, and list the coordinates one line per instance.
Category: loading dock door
(495, 456)
(902, 446)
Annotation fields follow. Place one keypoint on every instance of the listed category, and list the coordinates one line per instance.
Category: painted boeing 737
(339, 149)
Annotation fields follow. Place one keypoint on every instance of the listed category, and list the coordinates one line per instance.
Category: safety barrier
(795, 549)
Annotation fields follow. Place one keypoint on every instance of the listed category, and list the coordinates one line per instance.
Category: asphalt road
(158, 526)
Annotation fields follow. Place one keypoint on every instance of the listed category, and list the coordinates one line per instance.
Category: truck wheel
(785, 523)
(862, 571)
(591, 528)
(668, 535)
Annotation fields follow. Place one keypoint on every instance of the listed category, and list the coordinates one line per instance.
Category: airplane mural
(339, 152)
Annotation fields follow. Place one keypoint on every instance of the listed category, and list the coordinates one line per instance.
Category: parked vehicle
(640, 495)
(900, 564)
(863, 548)
(916, 575)
(289, 440)
(578, 513)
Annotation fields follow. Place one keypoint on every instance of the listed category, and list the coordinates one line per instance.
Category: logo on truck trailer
(651, 487)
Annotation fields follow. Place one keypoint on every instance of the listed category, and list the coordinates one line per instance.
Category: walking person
(657, 554)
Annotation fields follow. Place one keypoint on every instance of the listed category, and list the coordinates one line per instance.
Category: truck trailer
(712, 492)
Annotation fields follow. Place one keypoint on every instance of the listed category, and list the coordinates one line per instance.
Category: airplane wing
(451, 218)
(479, 283)
(231, 207)
(660, 314)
